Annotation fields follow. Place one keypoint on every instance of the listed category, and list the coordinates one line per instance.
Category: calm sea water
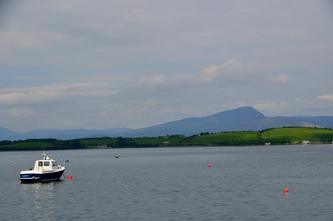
(244, 183)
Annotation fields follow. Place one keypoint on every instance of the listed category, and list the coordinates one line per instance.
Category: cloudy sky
(135, 63)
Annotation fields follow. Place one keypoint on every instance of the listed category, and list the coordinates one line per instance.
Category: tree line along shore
(276, 136)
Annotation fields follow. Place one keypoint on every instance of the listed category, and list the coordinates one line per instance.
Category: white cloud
(21, 112)
(206, 75)
(50, 93)
(20, 39)
(153, 79)
(280, 79)
(214, 71)
(27, 96)
(136, 15)
(327, 97)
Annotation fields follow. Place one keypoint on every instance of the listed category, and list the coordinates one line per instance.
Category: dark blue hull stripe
(33, 177)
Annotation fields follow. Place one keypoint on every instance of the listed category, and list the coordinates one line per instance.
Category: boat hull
(41, 177)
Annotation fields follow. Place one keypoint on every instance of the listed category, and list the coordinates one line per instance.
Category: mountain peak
(246, 112)
(247, 108)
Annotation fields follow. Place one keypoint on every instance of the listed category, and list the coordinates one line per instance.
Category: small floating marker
(117, 156)
(66, 161)
(69, 177)
(286, 190)
(209, 165)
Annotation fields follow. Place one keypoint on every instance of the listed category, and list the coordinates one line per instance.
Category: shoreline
(269, 137)
(161, 147)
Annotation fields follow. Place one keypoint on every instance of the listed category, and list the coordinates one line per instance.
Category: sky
(105, 63)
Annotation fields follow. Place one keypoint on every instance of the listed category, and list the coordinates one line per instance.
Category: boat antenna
(43, 155)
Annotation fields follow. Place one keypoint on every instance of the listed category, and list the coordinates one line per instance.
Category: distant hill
(240, 119)
(277, 136)
(6, 134)
(245, 118)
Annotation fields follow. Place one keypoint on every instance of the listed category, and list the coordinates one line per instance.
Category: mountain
(6, 134)
(240, 119)
(72, 133)
(244, 118)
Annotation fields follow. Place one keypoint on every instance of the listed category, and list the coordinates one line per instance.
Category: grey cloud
(136, 63)
(50, 93)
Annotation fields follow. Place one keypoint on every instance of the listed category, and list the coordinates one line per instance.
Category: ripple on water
(245, 183)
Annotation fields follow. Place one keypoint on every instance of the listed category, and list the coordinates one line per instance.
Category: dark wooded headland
(271, 136)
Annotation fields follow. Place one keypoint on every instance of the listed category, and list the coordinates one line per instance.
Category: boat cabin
(46, 164)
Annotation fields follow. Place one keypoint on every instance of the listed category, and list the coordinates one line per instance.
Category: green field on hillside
(243, 138)
(297, 135)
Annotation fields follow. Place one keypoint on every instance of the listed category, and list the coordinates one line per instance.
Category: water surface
(244, 183)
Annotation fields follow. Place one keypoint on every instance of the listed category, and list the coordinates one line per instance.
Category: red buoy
(69, 177)
(209, 165)
(286, 190)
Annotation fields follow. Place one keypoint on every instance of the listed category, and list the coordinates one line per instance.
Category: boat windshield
(46, 163)
(54, 163)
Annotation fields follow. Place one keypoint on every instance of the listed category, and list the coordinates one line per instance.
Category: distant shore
(275, 136)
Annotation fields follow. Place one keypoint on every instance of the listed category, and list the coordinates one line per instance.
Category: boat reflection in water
(42, 198)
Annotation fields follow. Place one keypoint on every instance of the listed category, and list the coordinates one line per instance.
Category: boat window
(54, 163)
(46, 163)
(40, 163)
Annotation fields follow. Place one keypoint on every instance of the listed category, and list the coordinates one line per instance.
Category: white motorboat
(44, 170)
